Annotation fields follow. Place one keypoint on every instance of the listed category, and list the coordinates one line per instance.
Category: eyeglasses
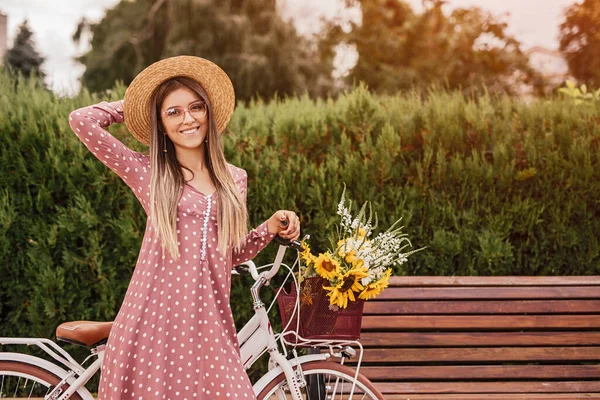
(176, 115)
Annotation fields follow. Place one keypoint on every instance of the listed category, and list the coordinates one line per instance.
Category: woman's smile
(190, 131)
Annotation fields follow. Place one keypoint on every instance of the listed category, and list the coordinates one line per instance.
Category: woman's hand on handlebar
(285, 223)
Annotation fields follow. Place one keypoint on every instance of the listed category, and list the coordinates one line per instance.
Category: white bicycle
(290, 376)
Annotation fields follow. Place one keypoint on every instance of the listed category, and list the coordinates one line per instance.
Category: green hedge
(491, 186)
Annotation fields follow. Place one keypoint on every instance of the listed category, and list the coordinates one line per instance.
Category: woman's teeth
(189, 131)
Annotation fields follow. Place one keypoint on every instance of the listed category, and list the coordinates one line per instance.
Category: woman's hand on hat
(291, 230)
(121, 108)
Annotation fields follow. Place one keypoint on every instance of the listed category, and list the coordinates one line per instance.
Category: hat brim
(210, 76)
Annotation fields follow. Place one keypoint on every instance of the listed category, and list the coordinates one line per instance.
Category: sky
(533, 22)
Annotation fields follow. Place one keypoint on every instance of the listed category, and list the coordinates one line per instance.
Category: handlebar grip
(282, 241)
(296, 244)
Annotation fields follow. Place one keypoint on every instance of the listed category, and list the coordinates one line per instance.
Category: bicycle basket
(317, 320)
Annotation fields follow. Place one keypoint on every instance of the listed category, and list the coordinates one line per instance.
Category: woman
(174, 336)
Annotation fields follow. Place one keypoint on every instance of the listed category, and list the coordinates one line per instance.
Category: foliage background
(492, 185)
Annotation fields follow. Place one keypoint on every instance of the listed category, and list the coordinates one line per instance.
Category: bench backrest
(484, 335)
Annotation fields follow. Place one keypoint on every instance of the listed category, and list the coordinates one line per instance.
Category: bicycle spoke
(17, 388)
(337, 381)
(31, 391)
(320, 386)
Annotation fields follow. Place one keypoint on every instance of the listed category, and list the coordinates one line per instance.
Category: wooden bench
(495, 338)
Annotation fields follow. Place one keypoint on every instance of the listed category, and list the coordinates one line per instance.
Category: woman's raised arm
(89, 124)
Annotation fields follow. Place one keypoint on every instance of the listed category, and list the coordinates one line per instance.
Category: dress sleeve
(90, 123)
(259, 237)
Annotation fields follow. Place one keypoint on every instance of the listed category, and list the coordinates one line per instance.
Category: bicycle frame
(257, 336)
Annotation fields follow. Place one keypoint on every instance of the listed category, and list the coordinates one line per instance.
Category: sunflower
(346, 248)
(343, 247)
(326, 266)
(358, 263)
(350, 256)
(373, 289)
(306, 255)
(346, 286)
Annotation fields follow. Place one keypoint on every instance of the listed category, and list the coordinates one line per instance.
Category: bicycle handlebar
(296, 244)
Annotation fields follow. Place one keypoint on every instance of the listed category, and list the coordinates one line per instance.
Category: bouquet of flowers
(358, 266)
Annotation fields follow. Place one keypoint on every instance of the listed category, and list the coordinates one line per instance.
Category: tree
(398, 49)
(262, 54)
(126, 40)
(579, 39)
(381, 40)
(23, 57)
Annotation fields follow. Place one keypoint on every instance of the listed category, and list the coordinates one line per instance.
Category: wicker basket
(317, 320)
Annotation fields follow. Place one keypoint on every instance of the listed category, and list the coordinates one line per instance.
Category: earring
(165, 138)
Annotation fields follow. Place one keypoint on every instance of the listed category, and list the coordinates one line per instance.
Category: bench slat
(482, 307)
(487, 322)
(475, 372)
(470, 292)
(478, 354)
(445, 339)
(490, 387)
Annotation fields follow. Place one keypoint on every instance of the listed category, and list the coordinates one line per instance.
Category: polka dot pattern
(174, 336)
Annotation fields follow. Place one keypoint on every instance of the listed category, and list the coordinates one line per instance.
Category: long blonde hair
(167, 180)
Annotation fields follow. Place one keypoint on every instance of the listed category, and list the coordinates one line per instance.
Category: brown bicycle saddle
(84, 333)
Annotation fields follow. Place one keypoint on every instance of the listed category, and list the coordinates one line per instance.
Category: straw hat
(211, 77)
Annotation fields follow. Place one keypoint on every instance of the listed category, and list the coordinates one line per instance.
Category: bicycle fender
(47, 365)
(269, 376)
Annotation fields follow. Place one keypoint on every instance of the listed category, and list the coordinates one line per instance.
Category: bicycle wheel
(325, 380)
(26, 381)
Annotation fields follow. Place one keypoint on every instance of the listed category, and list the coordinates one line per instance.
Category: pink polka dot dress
(174, 335)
